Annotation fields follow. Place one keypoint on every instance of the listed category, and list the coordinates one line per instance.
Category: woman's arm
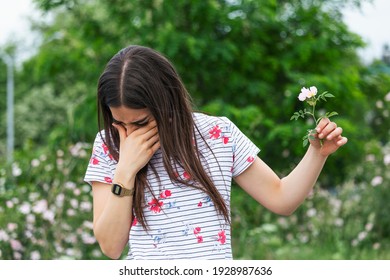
(283, 196)
(111, 219)
(112, 215)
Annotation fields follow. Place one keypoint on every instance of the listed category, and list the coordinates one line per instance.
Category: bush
(46, 210)
(46, 213)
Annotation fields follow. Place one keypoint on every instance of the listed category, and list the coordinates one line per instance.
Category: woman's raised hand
(330, 135)
(137, 147)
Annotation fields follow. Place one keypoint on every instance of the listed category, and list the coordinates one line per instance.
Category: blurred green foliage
(246, 60)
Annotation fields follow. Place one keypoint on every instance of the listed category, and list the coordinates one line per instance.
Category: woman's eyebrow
(137, 122)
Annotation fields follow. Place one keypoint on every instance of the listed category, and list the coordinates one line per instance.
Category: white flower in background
(16, 245)
(87, 238)
(12, 226)
(60, 153)
(311, 212)
(70, 185)
(16, 171)
(49, 215)
(3, 235)
(9, 204)
(40, 206)
(17, 256)
(88, 224)
(386, 159)
(71, 212)
(33, 196)
(43, 158)
(60, 199)
(71, 238)
(78, 150)
(74, 203)
(95, 253)
(377, 180)
(362, 235)
(25, 208)
(86, 206)
(35, 162)
(387, 97)
(30, 218)
(369, 226)
(35, 255)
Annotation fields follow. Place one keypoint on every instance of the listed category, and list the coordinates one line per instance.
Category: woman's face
(131, 119)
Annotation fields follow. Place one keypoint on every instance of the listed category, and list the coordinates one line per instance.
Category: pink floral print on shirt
(215, 132)
(106, 151)
(199, 237)
(135, 221)
(155, 205)
(197, 230)
(186, 175)
(225, 139)
(222, 237)
(165, 194)
(105, 148)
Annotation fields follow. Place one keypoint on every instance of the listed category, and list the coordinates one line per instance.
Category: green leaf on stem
(331, 114)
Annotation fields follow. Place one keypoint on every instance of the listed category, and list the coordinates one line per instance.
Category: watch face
(116, 189)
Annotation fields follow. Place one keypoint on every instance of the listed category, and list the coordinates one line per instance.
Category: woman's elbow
(112, 253)
(284, 211)
(110, 248)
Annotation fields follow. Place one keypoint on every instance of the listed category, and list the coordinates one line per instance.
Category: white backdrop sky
(372, 23)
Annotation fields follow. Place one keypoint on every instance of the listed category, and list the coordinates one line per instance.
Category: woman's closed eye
(141, 124)
(137, 124)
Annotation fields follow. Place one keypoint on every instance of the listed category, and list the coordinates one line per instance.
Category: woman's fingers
(342, 141)
(335, 133)
(122, 132)
(325, 128)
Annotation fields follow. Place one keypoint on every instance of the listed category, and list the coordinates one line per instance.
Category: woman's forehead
(127, 115)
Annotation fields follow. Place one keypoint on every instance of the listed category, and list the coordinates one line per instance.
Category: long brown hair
(138, 77)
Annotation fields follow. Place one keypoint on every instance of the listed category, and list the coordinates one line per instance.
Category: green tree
(244, 59)
(249, 54)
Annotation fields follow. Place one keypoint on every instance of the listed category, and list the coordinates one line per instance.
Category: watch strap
(119, 190)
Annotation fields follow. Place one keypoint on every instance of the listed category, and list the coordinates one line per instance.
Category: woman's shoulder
(99, 138)
(206, 120)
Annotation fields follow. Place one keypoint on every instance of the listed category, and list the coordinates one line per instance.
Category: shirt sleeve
(101, 166)
(244, 150)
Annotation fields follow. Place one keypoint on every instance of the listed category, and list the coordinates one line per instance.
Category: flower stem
(314, 116)
(315, 121)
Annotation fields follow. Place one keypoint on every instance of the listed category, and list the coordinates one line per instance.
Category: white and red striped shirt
(183, 222)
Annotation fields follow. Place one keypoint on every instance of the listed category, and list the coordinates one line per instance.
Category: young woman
(161, 173)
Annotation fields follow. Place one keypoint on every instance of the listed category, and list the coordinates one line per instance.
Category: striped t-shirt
(183, 222)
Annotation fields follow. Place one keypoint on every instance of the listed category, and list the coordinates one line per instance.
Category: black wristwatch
(119, 190)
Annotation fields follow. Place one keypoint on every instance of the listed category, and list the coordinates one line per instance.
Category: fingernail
(321, 136)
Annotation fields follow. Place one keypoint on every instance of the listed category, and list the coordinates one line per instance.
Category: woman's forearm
(113, 225)
(297, 185)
